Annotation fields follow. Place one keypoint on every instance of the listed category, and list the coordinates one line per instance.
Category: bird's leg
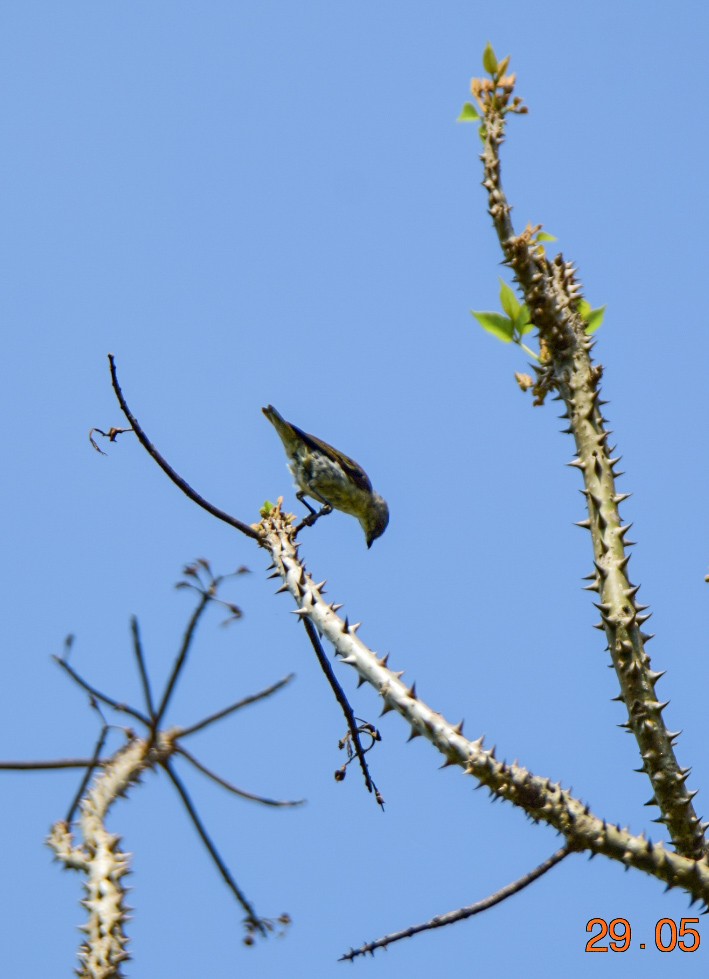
(314, 514)
(301, 496)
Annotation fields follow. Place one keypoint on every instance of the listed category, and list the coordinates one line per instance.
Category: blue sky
(272, 203)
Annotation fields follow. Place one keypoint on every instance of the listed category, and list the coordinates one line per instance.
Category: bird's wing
(351, 468)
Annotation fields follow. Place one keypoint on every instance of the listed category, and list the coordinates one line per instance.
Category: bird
(329, 476)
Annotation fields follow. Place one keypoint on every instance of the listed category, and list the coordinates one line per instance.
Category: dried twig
(344, 703)
(451, 917)
(183, 732)
(90, 769)
(230, 787)
(167, 468)
(97, 695)
(226, 876)
(142, 668)
(48, 766)
(180, 659)
(111, 435)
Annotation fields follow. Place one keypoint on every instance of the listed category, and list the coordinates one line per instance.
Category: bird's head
(375, 519)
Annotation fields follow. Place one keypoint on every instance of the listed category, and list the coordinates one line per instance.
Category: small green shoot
(591, 317)
(468, 113)
(509, 328)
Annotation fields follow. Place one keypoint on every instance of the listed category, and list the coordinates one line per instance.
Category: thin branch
(95, 763)
(342, 700)
(46, 766)
(167, 468)
(181, 658)
(183, 732)
(252, 917)
(233, 788)
(140, 658)
(109, 701)
(441, 920)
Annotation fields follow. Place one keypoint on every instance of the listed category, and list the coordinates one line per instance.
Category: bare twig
(180, 659)
(230, 787)
(344, 703)
(48, 766)
(109, 701)
(183, 732)
(142, 670)
(251, 915)
(167, 468)
(95, 763)
(451, 917)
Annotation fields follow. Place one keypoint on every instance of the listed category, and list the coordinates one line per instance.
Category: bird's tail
(284, 428)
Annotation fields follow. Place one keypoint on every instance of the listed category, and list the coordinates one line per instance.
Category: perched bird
(329, 476)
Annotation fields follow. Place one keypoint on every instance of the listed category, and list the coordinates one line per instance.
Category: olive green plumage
(330, 477)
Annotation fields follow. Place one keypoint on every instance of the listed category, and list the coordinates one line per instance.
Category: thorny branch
(552, 293)
(543, 800)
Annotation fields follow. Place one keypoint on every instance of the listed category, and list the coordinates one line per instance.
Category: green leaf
(468, 113)
(544, 236)
(500, 326)
(594, 319)
(523, 323)
(509, 300)
(591, 317)
(489, 60)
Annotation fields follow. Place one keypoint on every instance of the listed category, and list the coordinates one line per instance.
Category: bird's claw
(313, 516)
